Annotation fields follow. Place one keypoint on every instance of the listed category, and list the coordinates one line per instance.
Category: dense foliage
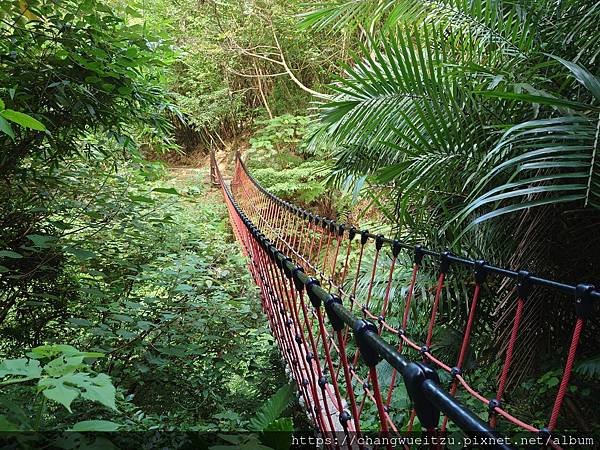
(125, 304)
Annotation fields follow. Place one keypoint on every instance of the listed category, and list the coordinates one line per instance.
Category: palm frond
(544, 161)
(493, 23)
(589, 368)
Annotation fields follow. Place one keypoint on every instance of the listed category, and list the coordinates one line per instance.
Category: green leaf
(57, 390)
(68, 387)
(95, 425)
(23, 119)
(80, 253)
(272, 409)
(6, 128)
(2, 105)
(49, 351)
(591, 82)
(41, 241)
(25, 369)
(10, 254)
(171, 191)
(4, 269)
(141, 199)
(99, 389)
(64, 365)
(7, 425)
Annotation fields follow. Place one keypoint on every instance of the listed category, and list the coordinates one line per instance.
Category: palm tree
(482, 117)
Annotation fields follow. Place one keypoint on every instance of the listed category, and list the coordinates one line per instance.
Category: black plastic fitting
(364, 237)
(445, 262)
(379, 242)
(362, 328)
(296, 277)
(523, 284)
(336, 322)
(351, 233)
(322, 382)
(583, 300)
(396, 247)
(493, 404)
(345, 417)
(418, 257)
(287, 270)
(414, 375)
(480, 271)
(315, 300)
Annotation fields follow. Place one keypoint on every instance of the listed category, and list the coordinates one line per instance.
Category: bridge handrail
(588, 289)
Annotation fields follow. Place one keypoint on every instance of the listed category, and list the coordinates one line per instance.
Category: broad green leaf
(4, 269)
(23, 119)
(184, 288)
(98, 388)
(22, 368)
(80, 253)
(6, 128)
(2, 105)
(41, 241)
(10, 254)
(57, 390)
(95, 425)
(63, 365)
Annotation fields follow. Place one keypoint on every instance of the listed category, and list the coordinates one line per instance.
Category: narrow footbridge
(322, 283)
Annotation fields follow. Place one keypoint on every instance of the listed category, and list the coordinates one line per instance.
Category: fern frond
(589, 368)
(272, 409)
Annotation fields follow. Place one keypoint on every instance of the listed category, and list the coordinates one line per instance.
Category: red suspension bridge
(318, 287)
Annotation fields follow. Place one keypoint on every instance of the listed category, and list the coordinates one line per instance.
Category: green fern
(272, 409)
(589, 368)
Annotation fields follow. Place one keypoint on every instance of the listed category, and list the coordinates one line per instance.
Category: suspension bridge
(331, 318)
